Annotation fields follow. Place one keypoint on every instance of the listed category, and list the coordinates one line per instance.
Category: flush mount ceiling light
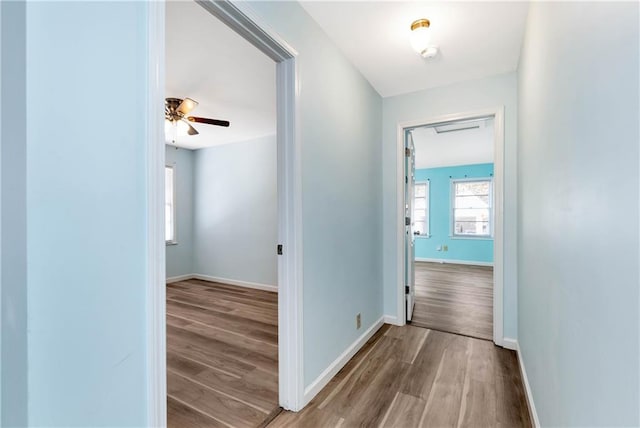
(420, 38)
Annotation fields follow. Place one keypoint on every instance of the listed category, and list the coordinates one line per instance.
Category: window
(169, 205)
(472, 206)
(421, 209)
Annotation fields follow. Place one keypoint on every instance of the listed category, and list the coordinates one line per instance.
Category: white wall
(462, 97)
(180, 255)
(86, 194)
(578, 254)
(339, 120)
(235, 219)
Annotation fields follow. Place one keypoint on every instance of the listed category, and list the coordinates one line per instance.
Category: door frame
(498, 211)
(243, 20)
(409, 277)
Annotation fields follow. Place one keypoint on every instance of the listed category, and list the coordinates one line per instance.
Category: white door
(409, 237)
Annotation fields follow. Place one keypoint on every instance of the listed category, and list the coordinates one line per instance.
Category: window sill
(422, 236)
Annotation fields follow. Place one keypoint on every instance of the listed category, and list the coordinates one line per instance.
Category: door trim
(155, 158)
(240, 18)
(409, 238)
(498, 239)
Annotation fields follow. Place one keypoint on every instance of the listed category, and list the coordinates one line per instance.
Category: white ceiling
(476, 39)
(228, 76)
(466, 147)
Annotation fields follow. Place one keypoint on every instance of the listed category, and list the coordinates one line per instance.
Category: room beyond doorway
(454, 195)
(288, 196)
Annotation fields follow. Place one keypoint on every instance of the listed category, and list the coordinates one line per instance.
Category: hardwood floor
(414, 377)
(222, 355)
(454, 298)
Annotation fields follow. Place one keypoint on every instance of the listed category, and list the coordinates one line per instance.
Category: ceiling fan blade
(208, 121)
(186, 106)
(191, 130)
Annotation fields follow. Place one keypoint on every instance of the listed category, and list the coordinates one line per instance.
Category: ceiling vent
(460, 126)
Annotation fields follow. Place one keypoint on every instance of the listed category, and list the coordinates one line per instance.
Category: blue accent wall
(466, 249)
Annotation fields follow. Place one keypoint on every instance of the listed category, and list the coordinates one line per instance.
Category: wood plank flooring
(222, 355)
(414, 377)
(454, 298)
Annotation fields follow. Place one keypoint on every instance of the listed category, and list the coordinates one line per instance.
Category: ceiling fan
(177, 109)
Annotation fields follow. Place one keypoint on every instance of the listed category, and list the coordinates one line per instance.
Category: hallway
(410, 376)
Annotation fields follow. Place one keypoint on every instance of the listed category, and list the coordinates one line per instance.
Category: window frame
(427, 208)
(452, 208)
(173, 241)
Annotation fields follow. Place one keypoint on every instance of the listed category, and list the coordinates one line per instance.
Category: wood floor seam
(465, 389)
(222, 329)
(424, 338)
(218, 369)
(195, 409)
(386, 415)
(190, 379)
(429, 399)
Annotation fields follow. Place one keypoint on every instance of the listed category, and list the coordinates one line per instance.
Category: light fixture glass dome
(420, 35)
(175, 129)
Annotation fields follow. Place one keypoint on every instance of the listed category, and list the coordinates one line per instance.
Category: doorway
(450, 242)
(289, 314)
(221, 224)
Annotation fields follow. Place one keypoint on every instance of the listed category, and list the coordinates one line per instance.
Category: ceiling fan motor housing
(171, 108)
(177, 109)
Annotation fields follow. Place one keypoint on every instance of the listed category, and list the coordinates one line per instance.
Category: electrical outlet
(445, 248)
(358, 322)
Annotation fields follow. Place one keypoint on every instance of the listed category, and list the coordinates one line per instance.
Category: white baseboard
(180, 278)
(228, 281)
(389, 319)
(324, 378)
(510, 343)
(454, 262)
(246, 284)
(527, 389)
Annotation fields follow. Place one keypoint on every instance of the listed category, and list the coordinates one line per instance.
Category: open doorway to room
(450, 225)
(221, 224)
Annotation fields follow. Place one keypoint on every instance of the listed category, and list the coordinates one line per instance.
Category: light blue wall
(13, 252)
(180, 255)
(462, 97)
(86, 213)
(465, 249)
(235, 211)
(578, 212)
(339, 123)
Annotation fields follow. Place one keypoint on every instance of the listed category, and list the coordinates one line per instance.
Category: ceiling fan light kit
(177, 121)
